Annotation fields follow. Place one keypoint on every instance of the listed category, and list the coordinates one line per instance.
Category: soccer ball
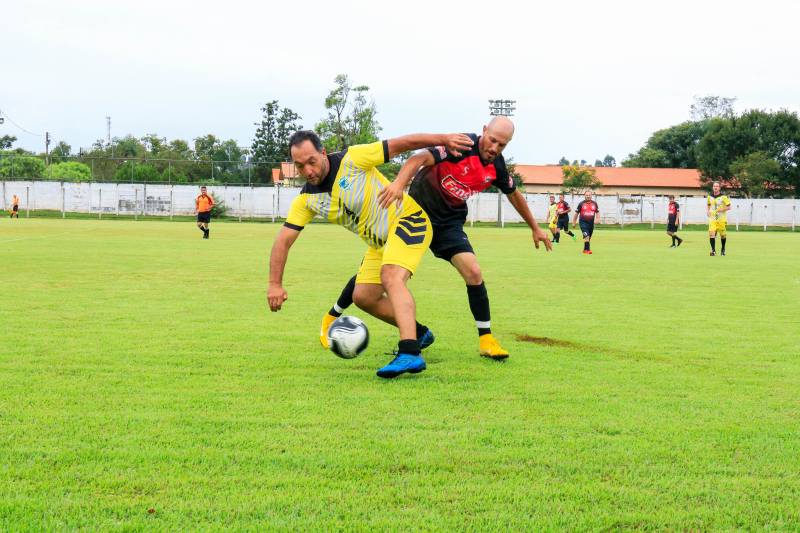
(348, 336)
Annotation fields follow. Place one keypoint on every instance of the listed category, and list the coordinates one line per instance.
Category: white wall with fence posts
(143, 199)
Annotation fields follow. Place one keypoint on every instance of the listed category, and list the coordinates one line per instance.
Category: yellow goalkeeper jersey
(716, 202)
(348, 196)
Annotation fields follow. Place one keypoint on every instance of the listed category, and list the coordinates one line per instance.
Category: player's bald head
(501, 125)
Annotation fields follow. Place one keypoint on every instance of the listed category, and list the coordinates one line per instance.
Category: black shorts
(449, 241)
(587, 228)
(204, 216)
(16, 208)
(563, 224)
(672, 226)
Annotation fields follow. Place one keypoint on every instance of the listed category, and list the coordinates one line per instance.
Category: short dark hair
(301, 136)
(203, 187)
(671, 196)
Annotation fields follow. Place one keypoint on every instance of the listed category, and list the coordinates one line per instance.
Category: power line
(20, 127)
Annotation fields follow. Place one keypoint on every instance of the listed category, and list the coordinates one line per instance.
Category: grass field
(142, 370)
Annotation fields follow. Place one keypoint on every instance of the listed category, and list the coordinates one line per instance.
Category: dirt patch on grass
(547, 341)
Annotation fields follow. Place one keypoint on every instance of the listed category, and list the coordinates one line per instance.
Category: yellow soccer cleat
(489, 347)
(327, 320)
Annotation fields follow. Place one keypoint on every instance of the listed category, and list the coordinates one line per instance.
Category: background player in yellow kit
(718, 204)
(552, 218)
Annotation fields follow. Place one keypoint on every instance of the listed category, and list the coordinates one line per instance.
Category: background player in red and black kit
(442, 187)
(563, 219)
(587, 210)
(673, 217)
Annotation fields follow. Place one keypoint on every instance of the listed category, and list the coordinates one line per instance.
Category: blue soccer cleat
(426, 340)
(404, 362)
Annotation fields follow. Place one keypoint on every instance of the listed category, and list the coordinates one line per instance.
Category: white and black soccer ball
(348, 336)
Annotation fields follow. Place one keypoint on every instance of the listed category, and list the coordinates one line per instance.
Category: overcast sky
(590, 78)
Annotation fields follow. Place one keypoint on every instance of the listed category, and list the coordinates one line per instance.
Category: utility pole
(47, 143)
(502, 107)
(108, 128)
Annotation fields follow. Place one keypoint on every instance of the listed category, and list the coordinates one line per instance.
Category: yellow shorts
(409, 236)
(718, 226)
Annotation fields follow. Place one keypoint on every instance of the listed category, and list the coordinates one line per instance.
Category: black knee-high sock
(409, 346)
(723, 239)
(555, 239)
(479, 305)
(570, 233)
(201, 228)
(713, 244)
(345, 299)
(585, 245)
(673, 240)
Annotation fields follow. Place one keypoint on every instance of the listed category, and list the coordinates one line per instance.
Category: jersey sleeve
(367, 156)
(503, 180)
(441, 154)
(709, 200)
(725, 201)
(677, 207)
(596, 208)
(299, 214)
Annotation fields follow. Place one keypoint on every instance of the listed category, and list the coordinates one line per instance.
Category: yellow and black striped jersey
(552, 213)
(716, 202)
(348, 196)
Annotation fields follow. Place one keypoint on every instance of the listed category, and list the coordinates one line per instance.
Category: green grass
(141, 369)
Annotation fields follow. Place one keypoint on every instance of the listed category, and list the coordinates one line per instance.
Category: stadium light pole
(502, 108)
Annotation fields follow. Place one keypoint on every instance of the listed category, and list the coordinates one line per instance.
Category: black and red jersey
(443, 189)
(588, 210)
(672, 210)
(563, 206)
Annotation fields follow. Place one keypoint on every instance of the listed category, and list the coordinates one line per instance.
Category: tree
(708, 107)
(598, 163)
(674, 147)
(343, 128)
(23, 167)
(71, 171)
(563, 161)
(155, 144)
(6, 141)
(755, 174)
(271, 142)
(609, 161)
(62, 149)
(578, 180)
(776, 134)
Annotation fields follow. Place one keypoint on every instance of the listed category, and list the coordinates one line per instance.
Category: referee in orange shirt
(15, 207)
(204, 204)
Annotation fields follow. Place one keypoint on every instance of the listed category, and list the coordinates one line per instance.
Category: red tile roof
(616, 176)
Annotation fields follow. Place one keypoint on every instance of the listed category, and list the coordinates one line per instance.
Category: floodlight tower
(502, 108)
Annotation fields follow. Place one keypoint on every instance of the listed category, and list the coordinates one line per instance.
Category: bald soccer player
(442, 186)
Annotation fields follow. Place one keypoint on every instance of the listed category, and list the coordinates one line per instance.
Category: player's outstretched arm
(276, 294)
(518, 201)
(394, 191)
(455, 142)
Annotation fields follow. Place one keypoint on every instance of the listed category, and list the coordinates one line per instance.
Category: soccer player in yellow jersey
(718, 204)
(552, 218)
(344, 188)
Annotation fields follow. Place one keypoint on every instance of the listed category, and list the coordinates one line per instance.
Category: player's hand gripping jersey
(552, 215)
(348, 196)
(443, 189)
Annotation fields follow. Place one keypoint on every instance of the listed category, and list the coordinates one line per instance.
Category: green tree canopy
(71, 171)
(578, 179)
(6, 141)
(673, 147)
(351, 117)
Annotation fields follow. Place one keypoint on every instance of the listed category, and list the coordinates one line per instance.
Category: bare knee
(472, 275)
(393, 276)
(364, 297)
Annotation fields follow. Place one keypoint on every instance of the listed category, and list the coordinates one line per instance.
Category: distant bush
(24, 167)
(71, 171)
(220, 209)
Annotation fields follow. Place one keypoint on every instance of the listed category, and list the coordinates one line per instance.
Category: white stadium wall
(268, 202)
